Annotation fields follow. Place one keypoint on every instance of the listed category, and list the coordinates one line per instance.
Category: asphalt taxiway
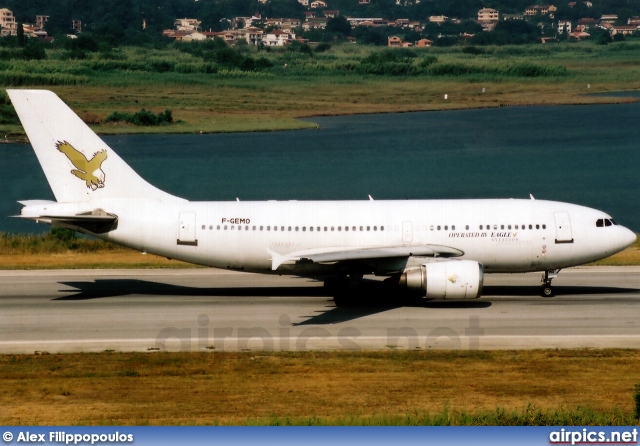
(216, 310)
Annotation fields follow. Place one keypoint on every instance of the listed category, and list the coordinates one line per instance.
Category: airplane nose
(628, 237)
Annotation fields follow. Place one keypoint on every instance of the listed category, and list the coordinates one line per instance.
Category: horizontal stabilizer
(96, 221)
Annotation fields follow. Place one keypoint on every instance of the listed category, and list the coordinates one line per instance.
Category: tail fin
(77, 163)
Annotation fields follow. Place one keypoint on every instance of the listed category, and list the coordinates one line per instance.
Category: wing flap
(357, 253)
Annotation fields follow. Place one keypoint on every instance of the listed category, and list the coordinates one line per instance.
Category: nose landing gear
(547, 290)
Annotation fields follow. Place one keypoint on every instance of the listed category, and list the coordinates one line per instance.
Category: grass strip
(534, 387)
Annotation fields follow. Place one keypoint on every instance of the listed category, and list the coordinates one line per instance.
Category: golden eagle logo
(88, 170)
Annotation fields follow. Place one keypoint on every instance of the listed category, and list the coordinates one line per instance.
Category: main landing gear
(547, 277)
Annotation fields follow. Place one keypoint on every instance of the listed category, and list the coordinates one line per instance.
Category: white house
(278, 37)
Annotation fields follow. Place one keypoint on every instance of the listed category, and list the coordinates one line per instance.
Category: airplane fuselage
(505, 235)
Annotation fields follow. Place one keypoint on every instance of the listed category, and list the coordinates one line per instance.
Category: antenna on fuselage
(531, 195)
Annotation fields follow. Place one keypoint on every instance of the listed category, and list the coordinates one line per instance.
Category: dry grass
(241, 388)
(125, 258)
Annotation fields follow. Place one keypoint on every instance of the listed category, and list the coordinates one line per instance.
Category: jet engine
(451, 279)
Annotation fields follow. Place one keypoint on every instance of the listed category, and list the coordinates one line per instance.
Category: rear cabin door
(187, 229)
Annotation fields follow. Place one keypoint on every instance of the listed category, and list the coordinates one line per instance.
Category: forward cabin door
(187, 229)
(563, 227)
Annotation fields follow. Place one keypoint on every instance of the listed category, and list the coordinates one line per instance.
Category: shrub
(472, 50)
(322, 47)
(142, 118)
(34, 50)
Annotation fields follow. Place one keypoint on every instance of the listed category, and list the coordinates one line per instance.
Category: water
(581, 154)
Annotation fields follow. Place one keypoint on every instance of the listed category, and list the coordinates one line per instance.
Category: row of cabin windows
(295, 228)
(488, 227)
(509, 227)
(362, 228)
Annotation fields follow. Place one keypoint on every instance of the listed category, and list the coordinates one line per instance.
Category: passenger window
(218, 227)
(481, 227)
(530, 226)
(537, 226)
(368, 228)
(438, 227)
(225, 227)
(509, 227)
(268, 228)
(446, 227)
(382, 228)
(311, 228)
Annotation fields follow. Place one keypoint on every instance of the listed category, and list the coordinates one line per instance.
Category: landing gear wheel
(547, 277)
(547, 291)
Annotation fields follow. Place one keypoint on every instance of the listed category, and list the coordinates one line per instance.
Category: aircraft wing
(343, 254)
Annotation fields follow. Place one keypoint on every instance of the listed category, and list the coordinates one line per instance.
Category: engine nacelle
(451, 279)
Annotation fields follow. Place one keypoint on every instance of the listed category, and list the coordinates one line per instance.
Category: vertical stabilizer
(77, 163)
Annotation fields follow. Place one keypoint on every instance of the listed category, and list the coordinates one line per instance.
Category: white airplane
(437, 248)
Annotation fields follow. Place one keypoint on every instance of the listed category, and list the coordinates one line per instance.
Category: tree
(282, 8)
(34, 50)
(370, 35)
(20, 34)
(338, 25)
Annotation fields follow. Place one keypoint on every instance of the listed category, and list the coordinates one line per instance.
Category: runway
(215, 310)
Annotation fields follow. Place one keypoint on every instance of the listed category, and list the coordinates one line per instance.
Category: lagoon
(582, 154)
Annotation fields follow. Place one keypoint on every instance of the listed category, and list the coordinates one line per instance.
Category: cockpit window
(601, 222)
